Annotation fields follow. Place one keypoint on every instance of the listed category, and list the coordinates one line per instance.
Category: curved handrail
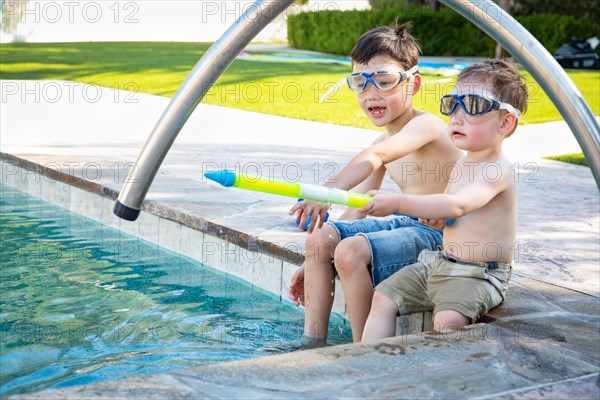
(188, 96)
(528, 51)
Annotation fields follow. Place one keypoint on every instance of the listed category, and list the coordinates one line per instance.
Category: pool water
(429, 68)
(82, 303)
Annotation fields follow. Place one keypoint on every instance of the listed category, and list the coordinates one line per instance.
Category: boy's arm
(438, 224)
(373, 182)
(465, 200)
(416, 134)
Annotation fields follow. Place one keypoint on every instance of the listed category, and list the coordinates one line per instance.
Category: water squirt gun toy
(281, 187)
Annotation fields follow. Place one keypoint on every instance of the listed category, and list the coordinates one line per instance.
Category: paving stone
(459, 364)
(586, 387)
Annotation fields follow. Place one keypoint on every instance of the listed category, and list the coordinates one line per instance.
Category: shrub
(441, 33)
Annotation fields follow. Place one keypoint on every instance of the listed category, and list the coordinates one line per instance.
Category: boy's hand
(381, 204)
(296, 290)
(306, 208)
(437, 224)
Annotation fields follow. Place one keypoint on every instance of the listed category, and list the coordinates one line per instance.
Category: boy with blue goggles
(382, 80)
(474, 104)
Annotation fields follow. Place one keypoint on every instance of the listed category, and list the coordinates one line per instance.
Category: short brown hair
(392, 41)
(503, 78)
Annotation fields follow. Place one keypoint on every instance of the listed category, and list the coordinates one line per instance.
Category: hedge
(441, 33)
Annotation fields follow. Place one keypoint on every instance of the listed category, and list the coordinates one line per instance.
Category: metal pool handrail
(204, 74)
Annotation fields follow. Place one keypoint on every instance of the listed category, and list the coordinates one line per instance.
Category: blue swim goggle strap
(382, 80)
(474, 104)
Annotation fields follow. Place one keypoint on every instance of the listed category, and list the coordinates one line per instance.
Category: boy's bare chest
(418, 175)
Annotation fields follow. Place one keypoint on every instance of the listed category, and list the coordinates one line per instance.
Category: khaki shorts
(438, 282)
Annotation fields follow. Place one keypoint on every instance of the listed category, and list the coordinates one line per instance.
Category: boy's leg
(449, 320)
(381, 322)
(352, 259)
(319, 281)
(403, 293)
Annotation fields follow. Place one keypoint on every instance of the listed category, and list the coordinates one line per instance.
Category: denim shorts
(394, 242)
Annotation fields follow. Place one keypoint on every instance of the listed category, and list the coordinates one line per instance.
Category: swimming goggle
(474, 104)
(382, 80)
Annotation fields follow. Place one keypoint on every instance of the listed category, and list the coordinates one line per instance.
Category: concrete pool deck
(543, 341)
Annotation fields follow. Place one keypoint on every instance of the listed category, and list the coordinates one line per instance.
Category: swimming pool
(429, 68)
(82, 303)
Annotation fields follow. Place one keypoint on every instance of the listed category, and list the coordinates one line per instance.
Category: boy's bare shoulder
(426, 122)
(496, 171)
(503, 172)
(427, 115)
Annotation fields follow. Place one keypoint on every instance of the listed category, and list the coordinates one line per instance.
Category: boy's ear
(416, 84)
(509, 124)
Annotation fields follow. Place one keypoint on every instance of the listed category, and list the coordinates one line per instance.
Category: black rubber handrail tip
(124, 212)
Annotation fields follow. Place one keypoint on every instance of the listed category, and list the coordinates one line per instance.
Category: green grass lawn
(286, 89)
(575, 158)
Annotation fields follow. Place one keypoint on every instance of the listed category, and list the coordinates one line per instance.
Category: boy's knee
(382, 303)
(322, 242)
(323, 236)
(449, 320)
(351, 252)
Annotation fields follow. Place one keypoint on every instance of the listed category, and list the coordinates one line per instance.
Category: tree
(380, 4)
(12, 14)
(500, 52)
(577, 8)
